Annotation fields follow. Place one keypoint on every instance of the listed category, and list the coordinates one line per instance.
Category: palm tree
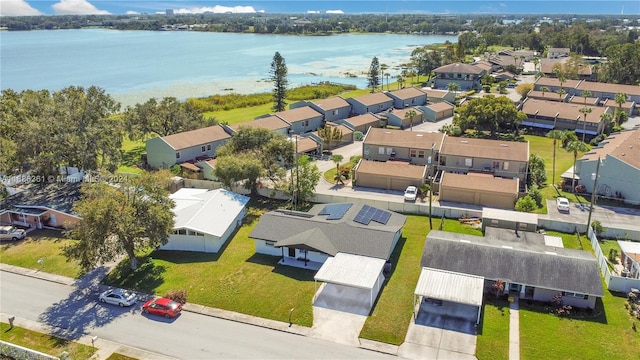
(400, 80)
(544, 89)
(561, 93)
(555, 135)
(410, 114)
(337, 158)
(620, 99)
(387, 76)
(606, 120)
(535, 64)
(576, 147)
(455, 87)
(383, 69)
(585, 111)
(585, 94)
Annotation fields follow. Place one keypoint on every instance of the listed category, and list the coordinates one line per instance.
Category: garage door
(498, 200)
(401, 184)
(457, 195)
(373, 181)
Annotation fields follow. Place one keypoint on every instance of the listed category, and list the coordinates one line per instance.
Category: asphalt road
(75, 312)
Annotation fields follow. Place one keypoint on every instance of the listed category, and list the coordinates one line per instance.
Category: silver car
(119, 297)
(11, 233)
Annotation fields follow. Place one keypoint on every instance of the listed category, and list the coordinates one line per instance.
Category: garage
(390, 175)
(448, 300)
(438, 111)
(479, 189)
(351, 283)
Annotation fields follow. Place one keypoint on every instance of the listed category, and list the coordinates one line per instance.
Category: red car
(162, 306)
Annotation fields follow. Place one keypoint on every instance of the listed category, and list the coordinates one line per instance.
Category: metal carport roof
(450, 286)
(351, 270)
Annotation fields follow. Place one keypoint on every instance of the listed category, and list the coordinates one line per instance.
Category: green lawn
(131, 158)
(116, 356)
(607, 335)
(40, 244)
(390, 318)
(236, 279)
(493, 333)
(44, 343)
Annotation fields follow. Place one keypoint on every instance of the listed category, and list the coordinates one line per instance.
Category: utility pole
(593, 194)
(297, 197)
(431, 185)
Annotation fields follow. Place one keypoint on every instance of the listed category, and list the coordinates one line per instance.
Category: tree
(584, 111)
(455, 87)
(623, 64)
(606, 120)
(585, 94)
(137, 214)
(303, 181)
(537, 174)
(330, 135)
(525, 204)
(167, 117)
(536, 195)
(561, 92)
(555, 135)
(544, 89)
(523, 90)
(489, 113)
(620, 99)
(576, 147)
(597, 227)
(337, 158)
(400, 81)
(410, 115)
(426, 60)
(373, 76)
(278, 75)
(383, 72)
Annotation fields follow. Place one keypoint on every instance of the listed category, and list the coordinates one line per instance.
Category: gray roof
(59, 196)
(313, 231)
(527, 262)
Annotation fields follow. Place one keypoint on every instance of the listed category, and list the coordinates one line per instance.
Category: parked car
(12, 233)
(410, 193)
(119, 297)
(563, 204)
(163, 307)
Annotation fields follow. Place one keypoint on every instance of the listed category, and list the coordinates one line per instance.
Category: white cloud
(17, 8)
(132, 12)
(218, 9)
(76, 7)
(313, 12)
(335, 12)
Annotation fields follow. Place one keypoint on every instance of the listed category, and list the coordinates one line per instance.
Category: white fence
(614, 282)
(17, 352)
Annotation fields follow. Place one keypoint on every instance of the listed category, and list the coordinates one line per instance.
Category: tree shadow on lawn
(186, 257)
(597, 315)
(80, 312)
(133, 157)
(147, 278)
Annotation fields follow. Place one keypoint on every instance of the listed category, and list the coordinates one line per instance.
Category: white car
(11, 233)
(119, 297)
(563, 204)
(411, 193)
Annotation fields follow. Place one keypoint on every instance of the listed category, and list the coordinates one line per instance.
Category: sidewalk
(514, 330)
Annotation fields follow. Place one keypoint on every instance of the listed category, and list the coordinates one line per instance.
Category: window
(574, 295)
(413, 153)
(522, 226)
(505, 165)
(191, 233)
(209, 147)
(390, 151)
(421, 154)
(381, 150)
(182, 232)
(178, 155)
(495, 165)
(269, 243)
(468, 162)
(413, 101)
(204, 148)
(305, 123)
(335, 112)
(199, 234)
(495, 222)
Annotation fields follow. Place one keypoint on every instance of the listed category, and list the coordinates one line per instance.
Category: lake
(134, 66)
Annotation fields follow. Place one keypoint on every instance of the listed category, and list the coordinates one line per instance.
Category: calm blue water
(133, 66)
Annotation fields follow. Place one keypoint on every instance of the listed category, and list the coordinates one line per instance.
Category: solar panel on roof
(335, 211)
(381, 216)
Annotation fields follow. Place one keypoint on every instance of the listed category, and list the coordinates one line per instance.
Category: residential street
(75, 312)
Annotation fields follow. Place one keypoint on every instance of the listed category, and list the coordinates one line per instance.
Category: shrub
(525, 204)
(597, 227)
(358, 136)
(613, 254)
(536, 195)
(179, 296)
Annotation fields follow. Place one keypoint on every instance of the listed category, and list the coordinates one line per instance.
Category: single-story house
(166, 151)
(408, 97)
(302, 120)
(554, 53)
(509, 219)
(398, 117)
(307, 239)
(333, 108)
(370, 103)
(437, 111)
(630, 258)
(479, 189)
(547, 115)
(205, 219)
(529, 268)
(363, 122)
(42, 205)
(465, 75)
(270, 122)
(390, 175)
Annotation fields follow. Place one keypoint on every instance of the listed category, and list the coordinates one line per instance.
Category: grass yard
(236, 279)
(493, 333)
(394, 308)
(116, 356)
(40, 244)
(572, 241)
(44, 343)
(607, 335)
(132, 153)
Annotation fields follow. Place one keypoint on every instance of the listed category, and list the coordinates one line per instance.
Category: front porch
(300, 263)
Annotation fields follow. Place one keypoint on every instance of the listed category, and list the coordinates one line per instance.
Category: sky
(84, 7)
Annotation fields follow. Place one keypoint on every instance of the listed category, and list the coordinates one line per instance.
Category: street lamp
(290, 313)
(594, 176)
(93, 341)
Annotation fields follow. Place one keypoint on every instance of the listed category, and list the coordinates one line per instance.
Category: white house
(205, 219)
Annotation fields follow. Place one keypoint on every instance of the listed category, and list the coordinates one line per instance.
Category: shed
(508, 219)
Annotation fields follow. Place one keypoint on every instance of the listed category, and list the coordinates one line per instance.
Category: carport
(352, 271)
(442, 285)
